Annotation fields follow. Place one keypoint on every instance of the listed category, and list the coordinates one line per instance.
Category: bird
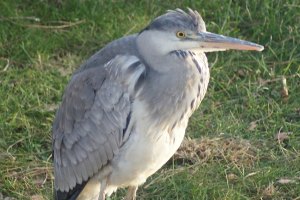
(125, 110)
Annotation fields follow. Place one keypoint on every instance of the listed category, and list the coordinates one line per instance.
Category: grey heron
(125, 110)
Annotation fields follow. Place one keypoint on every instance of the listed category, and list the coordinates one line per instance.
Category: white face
(163, 42)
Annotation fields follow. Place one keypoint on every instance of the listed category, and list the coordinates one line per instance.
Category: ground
(244, 139)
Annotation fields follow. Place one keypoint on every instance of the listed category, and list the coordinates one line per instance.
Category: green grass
(244, 100)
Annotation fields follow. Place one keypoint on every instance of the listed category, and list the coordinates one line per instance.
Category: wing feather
(88, 128)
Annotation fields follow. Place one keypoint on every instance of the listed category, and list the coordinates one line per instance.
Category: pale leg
(131, 193)
(90, 191)
(102, 189)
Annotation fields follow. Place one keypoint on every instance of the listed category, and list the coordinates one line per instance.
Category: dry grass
(237, 151)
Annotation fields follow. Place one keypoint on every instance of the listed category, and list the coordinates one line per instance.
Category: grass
(43, 42)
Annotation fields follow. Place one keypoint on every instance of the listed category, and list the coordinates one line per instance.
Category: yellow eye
(180, 34)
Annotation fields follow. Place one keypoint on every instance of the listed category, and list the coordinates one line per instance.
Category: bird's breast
(148, 148)
(159, 119)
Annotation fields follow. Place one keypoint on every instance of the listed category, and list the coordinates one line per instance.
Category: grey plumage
(179, 19)
(125, 110)
(86, 111)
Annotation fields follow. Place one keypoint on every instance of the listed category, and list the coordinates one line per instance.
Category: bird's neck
(176, 90)
(154, 51)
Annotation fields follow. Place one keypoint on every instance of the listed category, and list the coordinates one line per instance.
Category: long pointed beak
(214, 42)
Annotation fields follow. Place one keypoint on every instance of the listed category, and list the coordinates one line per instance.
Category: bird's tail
(71, 194)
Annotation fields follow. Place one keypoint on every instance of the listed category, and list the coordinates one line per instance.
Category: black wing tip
(71, 194)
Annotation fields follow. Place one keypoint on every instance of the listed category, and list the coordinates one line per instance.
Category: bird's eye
(180, 34)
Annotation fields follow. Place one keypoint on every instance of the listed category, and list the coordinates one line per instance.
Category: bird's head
(179, 30)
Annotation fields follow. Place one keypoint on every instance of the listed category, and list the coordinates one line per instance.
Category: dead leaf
(37, 197)
(282, 136)
(284, 90)
(285, 181)
(232, 177)
(242, 73)
(269, 191)
(252, 125)
(39, 182)
(251, 174)
(51, 107)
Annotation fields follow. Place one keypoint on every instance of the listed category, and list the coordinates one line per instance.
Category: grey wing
(88, 129)
(124, 45)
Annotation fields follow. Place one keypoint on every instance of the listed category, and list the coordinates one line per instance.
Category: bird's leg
(102, 189)
(131, 193)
